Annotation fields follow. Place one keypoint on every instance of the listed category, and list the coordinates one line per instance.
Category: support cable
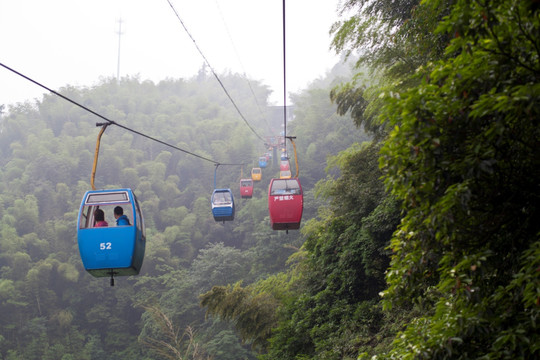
(284, 83)
(264, 114)
(111, 122)
(96, 154)
(213, 72)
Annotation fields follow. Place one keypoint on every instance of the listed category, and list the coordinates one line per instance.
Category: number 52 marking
(105, 246)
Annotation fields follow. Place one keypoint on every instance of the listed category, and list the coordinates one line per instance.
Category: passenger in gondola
(121, 219)
(222, 198)
(99, 218)
(218, 198)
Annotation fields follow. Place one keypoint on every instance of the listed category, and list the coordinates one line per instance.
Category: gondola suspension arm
(295, 156)
(96, 154)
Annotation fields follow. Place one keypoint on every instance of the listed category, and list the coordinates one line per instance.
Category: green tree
(252, 312)
(225, 345)
(320, 132)
(336, 300)
(463, 157)
(392, 39)
(169, 342)
(218, 265)
(26, 215)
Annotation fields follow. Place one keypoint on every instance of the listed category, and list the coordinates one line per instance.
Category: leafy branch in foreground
(253, 313)
(463, 156)
(168, 342)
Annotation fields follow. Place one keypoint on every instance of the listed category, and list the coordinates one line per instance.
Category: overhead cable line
(111, 122)
(241, 65)
(284, 82)
(213, 72)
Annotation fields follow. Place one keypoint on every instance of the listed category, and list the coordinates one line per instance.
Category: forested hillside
(50, 308)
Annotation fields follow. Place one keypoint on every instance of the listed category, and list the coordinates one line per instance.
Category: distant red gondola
(246, 188)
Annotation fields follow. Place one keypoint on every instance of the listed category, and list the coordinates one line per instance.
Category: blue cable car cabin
(263, 161)
(223, 205)
(111, 245)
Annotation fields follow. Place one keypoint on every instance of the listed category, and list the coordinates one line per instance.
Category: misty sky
(75, 42)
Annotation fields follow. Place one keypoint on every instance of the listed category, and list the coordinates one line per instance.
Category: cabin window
(285, 187)
(222, 198)
(87, 214)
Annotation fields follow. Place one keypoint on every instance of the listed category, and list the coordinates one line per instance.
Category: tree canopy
(49, 306)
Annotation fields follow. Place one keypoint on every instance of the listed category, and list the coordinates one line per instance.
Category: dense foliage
(464, 157)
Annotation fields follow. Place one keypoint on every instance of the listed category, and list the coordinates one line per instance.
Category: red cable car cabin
(246, 188)
(285, 204)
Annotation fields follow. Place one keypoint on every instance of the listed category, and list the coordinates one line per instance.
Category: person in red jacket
(99, 217)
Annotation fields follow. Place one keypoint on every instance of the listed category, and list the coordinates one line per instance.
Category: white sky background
(75, 42)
